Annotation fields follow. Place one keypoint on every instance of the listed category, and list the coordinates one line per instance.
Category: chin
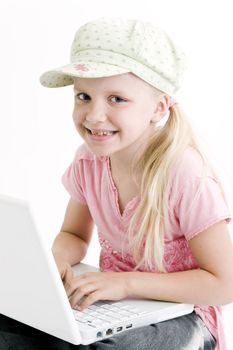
(98, 152)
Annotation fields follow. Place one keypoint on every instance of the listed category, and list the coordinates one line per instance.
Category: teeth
(102, 133)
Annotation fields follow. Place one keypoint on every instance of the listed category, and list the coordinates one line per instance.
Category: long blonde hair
(146, 228)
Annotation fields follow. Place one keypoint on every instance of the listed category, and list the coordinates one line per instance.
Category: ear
(161, 109)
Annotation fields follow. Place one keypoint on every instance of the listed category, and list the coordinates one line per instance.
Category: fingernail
(77, 307)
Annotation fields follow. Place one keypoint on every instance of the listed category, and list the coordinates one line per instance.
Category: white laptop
(32, 291)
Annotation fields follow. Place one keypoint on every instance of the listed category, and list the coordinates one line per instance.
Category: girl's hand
(90, 287)
(65, 271)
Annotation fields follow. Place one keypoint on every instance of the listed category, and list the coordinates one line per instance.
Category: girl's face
(114, 115)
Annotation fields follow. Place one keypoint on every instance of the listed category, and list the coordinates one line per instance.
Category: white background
(37, 137)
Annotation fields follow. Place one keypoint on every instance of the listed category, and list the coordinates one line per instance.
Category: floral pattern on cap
(81, 67)
(111, 46)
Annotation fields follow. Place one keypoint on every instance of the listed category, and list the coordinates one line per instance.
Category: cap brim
(65, 75)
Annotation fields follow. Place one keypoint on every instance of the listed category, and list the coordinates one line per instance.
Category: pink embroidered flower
(81, 67)
(177, 257)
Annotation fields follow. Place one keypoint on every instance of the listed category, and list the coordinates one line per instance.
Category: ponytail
(146, 228)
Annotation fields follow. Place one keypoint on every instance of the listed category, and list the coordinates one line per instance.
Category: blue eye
(117, 99)
(82, 97)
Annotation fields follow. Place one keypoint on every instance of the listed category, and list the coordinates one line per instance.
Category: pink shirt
(88, 180)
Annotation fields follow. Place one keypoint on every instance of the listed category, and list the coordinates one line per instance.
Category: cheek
(76, 121)
(76, 116)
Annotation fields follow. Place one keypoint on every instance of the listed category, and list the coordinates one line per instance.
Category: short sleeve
(200, 206)
(72, 180)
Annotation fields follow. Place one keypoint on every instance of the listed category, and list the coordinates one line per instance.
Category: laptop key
(105, 318)
(94, 314)
(107, 306)
(114, 308)
(80, 320)
(91, 325)
(125, 313)
(93, 307)
(118, 303)
(114, 315)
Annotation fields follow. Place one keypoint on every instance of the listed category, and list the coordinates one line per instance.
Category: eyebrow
(113, 92)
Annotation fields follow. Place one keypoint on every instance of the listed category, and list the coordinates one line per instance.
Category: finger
(72, 285)
(77, 282)
(80, 294)
(67, 279)
(89, 300)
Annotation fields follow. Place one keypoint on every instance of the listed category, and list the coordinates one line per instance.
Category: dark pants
(182, 333)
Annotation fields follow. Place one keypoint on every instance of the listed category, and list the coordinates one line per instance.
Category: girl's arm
(72, 242)
(212, 284)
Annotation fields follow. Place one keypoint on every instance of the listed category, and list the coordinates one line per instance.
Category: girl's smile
(115, 114)
(100, 135)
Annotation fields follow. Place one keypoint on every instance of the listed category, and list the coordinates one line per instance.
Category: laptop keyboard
(103, 314)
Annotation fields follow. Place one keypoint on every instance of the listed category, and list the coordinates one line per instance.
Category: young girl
(141, 178)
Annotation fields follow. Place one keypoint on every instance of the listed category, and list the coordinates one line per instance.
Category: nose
(96, 113)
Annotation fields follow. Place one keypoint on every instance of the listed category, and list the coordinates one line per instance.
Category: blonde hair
(146, 228)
